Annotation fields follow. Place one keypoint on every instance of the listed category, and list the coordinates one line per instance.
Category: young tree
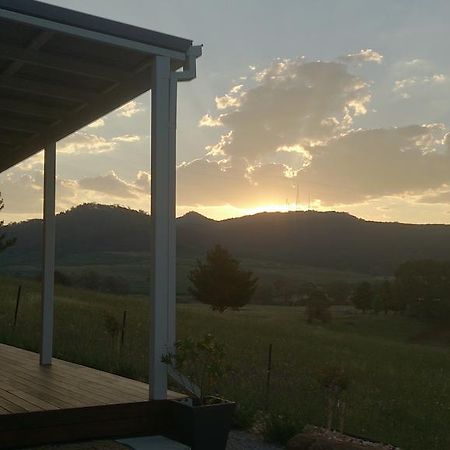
(4, 243)
(362, 298)
(220, 282)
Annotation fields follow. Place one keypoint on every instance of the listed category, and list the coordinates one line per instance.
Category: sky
(298, 104)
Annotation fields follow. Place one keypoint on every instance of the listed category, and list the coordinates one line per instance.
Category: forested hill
(320, 239)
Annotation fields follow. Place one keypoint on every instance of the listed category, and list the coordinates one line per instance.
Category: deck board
(27, 386)
(66, 400)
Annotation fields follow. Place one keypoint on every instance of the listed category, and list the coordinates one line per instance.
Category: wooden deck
(68, 402)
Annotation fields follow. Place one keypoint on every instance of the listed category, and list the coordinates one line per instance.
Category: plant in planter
(197, 367)
(335, 382)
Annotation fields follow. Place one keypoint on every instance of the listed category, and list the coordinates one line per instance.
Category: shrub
(317, 306)
(280, 428)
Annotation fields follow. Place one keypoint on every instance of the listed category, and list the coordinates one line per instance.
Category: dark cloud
(109, 184)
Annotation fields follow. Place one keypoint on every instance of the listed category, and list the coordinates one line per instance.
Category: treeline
(290, 292)
(419, 288)
(94, 281)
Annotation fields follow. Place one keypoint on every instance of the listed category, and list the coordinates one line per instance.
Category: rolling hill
(326, 240)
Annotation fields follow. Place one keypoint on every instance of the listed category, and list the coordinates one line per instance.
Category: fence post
(269, 373)
(16, 312)
(124, 323)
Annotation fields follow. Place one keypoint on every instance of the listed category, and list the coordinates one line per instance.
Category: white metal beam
(163, 218)
(48, 273)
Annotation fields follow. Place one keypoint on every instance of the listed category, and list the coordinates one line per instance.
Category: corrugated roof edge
(94, 23)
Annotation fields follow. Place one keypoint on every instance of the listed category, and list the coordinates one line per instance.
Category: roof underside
(60, 70)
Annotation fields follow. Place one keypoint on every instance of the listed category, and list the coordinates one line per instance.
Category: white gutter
(189, 71)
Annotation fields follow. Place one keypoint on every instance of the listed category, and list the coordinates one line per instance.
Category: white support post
(163, 226)
(172, 252)
(48, 275)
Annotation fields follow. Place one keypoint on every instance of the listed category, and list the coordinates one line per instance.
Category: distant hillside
(319, 239)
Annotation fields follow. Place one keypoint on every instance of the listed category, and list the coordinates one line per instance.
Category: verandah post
(163, 203)
(48, 272)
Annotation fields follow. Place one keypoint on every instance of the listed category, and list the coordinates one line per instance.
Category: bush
(244, 416)
(317, 306)
(279, 428)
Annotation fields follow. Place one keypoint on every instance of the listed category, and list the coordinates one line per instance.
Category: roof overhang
(61, 70)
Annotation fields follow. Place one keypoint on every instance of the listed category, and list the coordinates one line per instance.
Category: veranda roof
(61, 70)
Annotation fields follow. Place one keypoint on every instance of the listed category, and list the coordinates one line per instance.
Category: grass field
(399, 390)
(134, 267)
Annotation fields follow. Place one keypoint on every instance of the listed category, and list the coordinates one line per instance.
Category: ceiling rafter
(76, 66)
(29, 108)
(29, 126)
(46, 89)
(7, 140)
(41, 39)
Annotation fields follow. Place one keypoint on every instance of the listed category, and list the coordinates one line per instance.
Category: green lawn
(399, 391)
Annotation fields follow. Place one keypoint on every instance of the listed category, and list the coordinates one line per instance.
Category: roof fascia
(91, 35)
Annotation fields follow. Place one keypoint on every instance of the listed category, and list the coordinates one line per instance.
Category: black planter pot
(204, 427)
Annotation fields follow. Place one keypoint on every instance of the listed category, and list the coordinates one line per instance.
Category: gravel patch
(92, 445)
(240, 440)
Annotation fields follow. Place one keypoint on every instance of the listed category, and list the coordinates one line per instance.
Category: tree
(4, 243)
(387, 297)
(362, 298)
(283, 289)
(424, 286)
(377, 303)
(338, 292)
(220, 282)
(115, 285)
(317, 306)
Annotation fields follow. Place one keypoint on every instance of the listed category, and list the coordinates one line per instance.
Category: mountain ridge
(334, 240)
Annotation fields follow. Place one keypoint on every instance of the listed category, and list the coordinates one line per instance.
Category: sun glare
(287, 207)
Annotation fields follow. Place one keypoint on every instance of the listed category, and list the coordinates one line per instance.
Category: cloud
(404, 86)
(128, 138)
(22, 191)
(441, 196)
(130, 109)
(109, 184)
(374, 163)
(367, 55)
(209, 121)
(353, 168)
(97, 124)
(82, 142)
(294, 128)
(228, 101)
(203, 182)
(405, 68)
(143, 181)
(87, 143)
(294, 102)
(290, 132)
